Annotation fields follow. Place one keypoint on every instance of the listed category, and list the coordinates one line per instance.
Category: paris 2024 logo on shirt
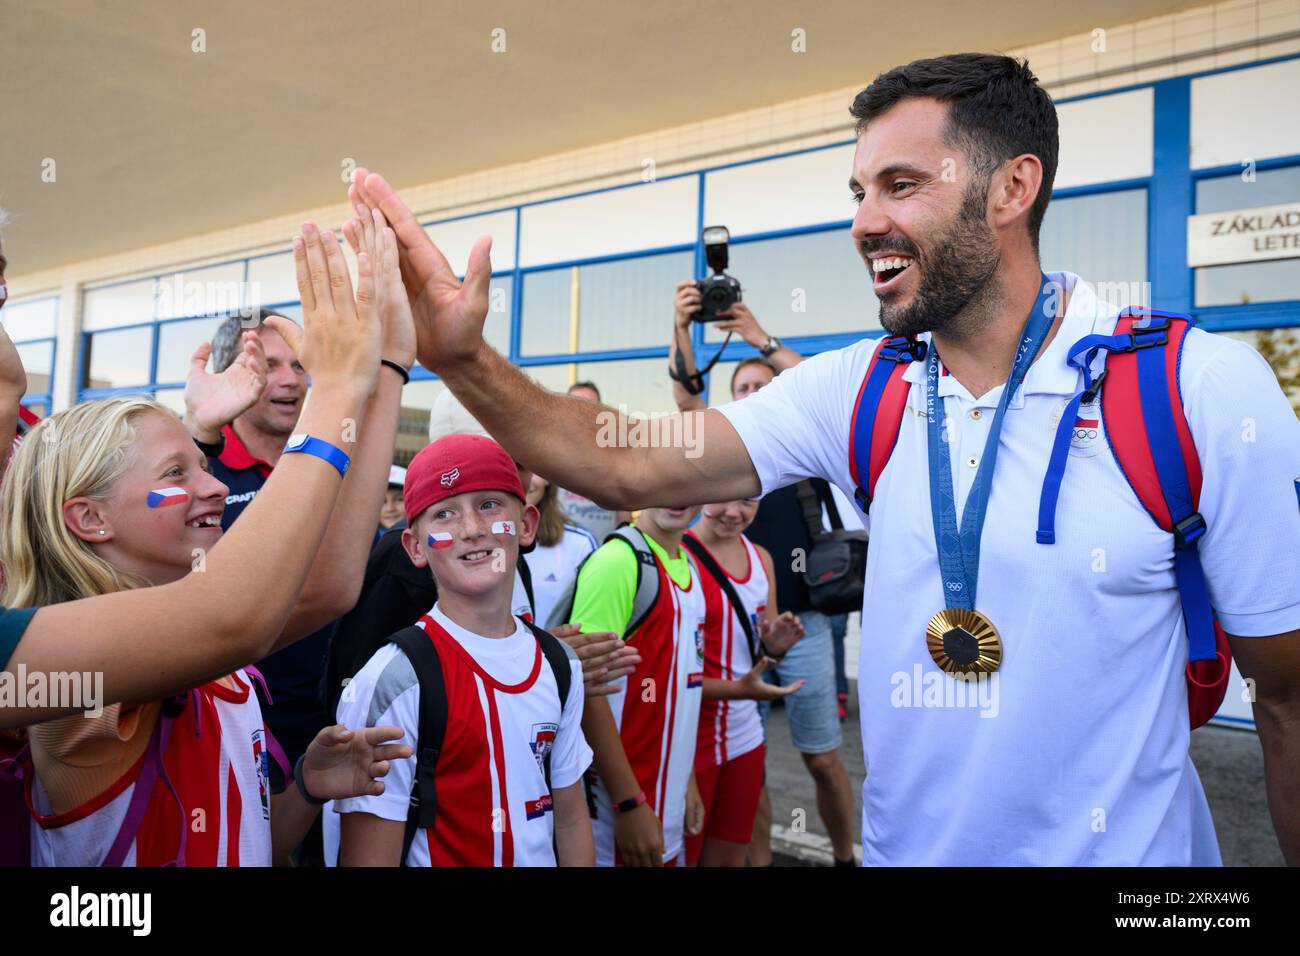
(543, 739)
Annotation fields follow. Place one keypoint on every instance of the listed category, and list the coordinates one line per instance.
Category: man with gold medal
(1056, 595)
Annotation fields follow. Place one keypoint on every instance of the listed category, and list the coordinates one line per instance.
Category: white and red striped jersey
(216, 758)
(730, 728)
(657, 709)
(503, 717)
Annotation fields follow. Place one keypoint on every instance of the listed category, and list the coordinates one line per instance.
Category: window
(413, 419)
(497, 327)
(38, 362)
(622, 304)
(118, 359)
(545, 326)
(642, 385)
(810, 284)
(1102, 238)
(1242, 283)
(177, 342)
(173, 398)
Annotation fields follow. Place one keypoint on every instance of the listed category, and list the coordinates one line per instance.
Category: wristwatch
(770, 347)
(631, 803)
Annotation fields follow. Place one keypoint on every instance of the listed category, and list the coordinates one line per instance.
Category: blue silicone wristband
(321, 449)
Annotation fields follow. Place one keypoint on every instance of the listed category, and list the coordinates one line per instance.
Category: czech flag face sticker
(440, 539)
(166, 497)
(503, 527)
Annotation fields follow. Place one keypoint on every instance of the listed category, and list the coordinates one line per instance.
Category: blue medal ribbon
(959, 547)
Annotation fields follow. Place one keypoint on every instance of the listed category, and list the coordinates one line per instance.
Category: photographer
(780, 527)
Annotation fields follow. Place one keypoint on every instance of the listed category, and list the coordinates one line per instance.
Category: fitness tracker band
(631, 803)
(321, 449)
(302, 787)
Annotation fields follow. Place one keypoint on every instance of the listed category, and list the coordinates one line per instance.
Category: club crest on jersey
(260, 762)
(543, 739)
(1086, 436)
(449, 477)
(535, 809)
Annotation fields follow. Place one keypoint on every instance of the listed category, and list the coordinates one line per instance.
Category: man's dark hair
(590, 385)
(996, 111)
(225, 341)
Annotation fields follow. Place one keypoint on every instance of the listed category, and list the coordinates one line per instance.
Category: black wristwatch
(302, 787)
(770, 347)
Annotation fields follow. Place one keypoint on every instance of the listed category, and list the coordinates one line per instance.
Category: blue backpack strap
(1155, 452)
(878, 413)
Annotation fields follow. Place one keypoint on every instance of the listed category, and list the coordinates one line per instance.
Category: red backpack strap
(1152, 443)
(878, 414)
(1143, 410)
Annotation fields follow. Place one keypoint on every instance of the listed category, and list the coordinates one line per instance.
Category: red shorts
(730, 793)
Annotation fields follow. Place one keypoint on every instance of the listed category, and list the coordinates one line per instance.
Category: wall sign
(1244, 235)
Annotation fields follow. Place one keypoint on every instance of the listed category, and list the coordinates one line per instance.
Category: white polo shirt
(1075, 752)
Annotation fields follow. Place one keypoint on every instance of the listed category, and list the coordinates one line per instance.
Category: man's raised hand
(449, 313)
(215, 399)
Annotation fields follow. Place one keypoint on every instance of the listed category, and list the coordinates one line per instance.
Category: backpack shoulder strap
(526, 576)
(710, 564)
(557, 656)
(1148, 433)
(418, 647)
(878, 413)
(647, 584)
(647, 576)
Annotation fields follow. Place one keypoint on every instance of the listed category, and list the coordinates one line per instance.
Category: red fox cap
(454, 465)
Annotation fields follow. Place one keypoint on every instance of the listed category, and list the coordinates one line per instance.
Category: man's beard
(955, 272)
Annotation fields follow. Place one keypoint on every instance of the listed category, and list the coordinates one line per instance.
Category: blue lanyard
(959, 548)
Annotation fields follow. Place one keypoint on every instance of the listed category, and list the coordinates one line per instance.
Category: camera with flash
(719, 292)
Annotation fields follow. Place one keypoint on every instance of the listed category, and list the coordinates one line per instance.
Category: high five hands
(448, 312)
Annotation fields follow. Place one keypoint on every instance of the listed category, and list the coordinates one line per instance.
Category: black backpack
(419, 650)
(837, 564)
(647, 582)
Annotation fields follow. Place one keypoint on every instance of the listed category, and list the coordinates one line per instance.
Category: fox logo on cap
(450, 476)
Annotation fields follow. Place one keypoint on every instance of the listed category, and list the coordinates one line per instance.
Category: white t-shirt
(503, 716)
(1075, 752)
(554, 568)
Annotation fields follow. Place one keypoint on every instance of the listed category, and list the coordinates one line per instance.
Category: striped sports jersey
(730, 728)
(503, 717)
(216, 758)
(657, 707)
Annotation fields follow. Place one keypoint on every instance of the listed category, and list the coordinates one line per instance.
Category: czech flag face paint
(440, 539)
(166, 497)
(503, 527)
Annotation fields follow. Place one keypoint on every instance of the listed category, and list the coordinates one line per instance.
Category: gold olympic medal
(963, 642)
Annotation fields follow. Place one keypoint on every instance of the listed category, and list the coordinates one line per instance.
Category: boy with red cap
(497, 776)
